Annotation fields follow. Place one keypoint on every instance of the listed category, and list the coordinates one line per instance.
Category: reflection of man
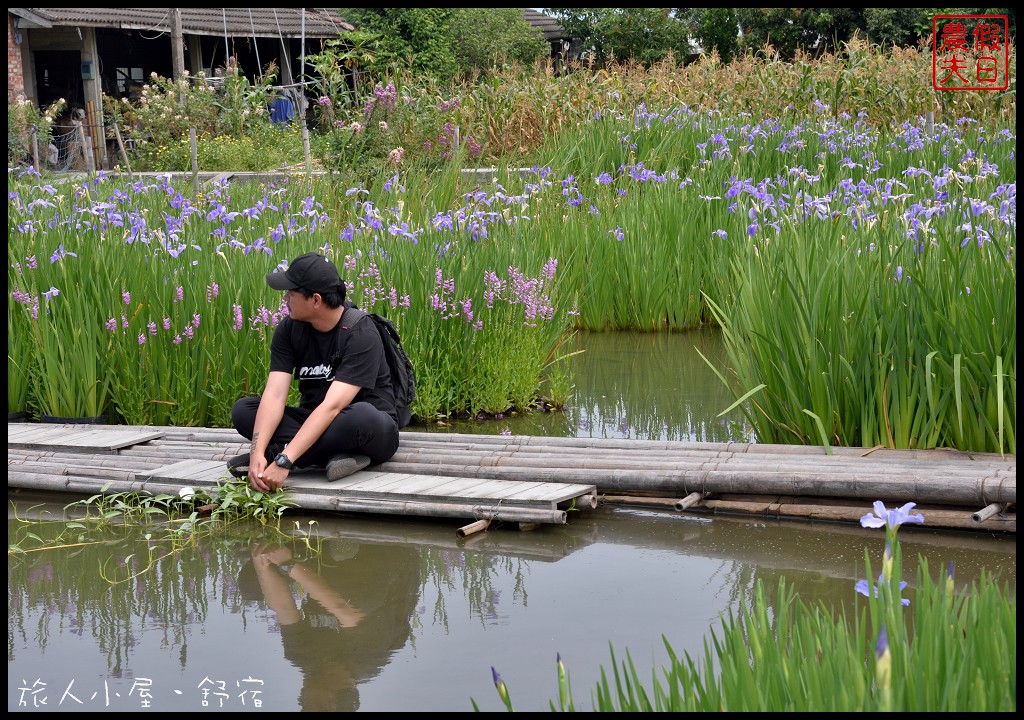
(355, 613)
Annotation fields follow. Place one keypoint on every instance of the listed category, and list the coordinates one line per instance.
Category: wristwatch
(282, 461)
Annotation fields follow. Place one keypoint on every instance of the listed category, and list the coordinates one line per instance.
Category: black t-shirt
(354, 355)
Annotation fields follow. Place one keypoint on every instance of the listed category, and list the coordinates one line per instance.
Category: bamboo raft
(533, 480)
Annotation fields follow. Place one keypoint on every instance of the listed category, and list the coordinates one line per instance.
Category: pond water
(387, 614)
(346, 612)
(652, 386)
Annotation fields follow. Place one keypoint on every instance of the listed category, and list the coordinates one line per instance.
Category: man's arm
(339, 396)
(268, 561)
(268, 417)
(274, 585)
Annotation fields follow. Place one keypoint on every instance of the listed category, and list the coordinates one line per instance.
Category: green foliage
(414, 38)
(717, 30)
(173, 521)
(27, 123)
(643, 35)
(888, 26)
(236, 500)
(339, 75)
(226, 106)
(265, 147)
(954, 652)
(371, 143)
(819, 31)
(485, 37)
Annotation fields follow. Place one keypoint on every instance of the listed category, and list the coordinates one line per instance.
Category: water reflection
(652, 386)
(340, 616)
(381, 613)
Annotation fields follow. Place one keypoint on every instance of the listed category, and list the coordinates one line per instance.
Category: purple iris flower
(890, 518)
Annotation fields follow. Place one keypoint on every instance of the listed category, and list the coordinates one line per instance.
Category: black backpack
(403, 377)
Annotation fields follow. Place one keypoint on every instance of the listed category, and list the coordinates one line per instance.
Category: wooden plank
(101, 440)
(184, 471)
(499, 489)
(376, 481)
(552, 491)
(420, 487)
(19, 430)
(411, 485)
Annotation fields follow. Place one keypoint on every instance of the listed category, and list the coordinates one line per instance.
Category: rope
(255, 44)
(494, 511)
(284, 48)
(159, 34)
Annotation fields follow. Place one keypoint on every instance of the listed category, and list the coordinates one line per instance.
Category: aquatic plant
(787, 655)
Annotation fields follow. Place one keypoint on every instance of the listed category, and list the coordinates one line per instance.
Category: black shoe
(238, 466)
(344, 465)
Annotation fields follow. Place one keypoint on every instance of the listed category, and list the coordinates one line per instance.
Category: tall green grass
(154, 307)
(947, 651)
(864, 276)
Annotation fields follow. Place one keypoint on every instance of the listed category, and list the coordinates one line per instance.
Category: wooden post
(120, 145)
(930, 117)
(95, 135)
(35, 148)
(177, 51)
(195, 162)
(90, 163)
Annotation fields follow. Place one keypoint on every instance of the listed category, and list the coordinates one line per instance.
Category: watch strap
(287, 464)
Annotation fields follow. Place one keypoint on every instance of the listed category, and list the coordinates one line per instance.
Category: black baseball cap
(311, 271)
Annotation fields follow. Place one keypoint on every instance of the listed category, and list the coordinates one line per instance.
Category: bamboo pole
(937, 518)
(95, 136)
(430, 509)
(1000, 486)
(408, 436)
(641, 501)
(472, 528)
(987, 512)
(710, 461)
(689, 501)
(195, 161)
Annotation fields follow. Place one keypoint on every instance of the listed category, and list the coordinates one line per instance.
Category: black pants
(359, 429)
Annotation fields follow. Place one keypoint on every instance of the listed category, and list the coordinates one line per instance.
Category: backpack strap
(351, 316)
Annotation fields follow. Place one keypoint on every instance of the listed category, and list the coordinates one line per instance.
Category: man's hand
(264, 476)
(267, 553)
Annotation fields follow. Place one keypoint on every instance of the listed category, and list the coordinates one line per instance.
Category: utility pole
(302, 97)
(177, 46)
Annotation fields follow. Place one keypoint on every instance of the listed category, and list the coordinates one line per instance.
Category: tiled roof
(261, 22)
(548, 25)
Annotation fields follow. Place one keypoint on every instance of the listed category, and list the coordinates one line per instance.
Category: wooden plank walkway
(535, 479)
(75, 459)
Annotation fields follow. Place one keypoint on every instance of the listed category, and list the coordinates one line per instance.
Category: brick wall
(15, 70)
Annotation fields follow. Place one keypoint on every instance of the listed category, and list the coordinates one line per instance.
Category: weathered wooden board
(391, 486)
(57, 437)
